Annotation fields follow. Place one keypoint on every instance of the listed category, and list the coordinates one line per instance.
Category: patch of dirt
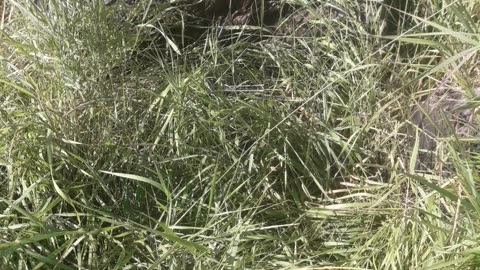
(443, 114)
(231, 12)
(239, 12)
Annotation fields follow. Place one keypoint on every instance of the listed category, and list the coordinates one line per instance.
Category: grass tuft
(129, 142)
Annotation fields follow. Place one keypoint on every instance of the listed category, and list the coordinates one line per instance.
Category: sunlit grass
(123, 146)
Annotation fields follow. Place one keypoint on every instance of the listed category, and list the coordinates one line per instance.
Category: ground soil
(231, 12)
(239, 12)
(443, 114)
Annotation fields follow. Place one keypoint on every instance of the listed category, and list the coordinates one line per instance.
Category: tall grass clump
(127, 143)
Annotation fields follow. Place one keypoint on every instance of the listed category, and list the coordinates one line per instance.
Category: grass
(122, 147)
